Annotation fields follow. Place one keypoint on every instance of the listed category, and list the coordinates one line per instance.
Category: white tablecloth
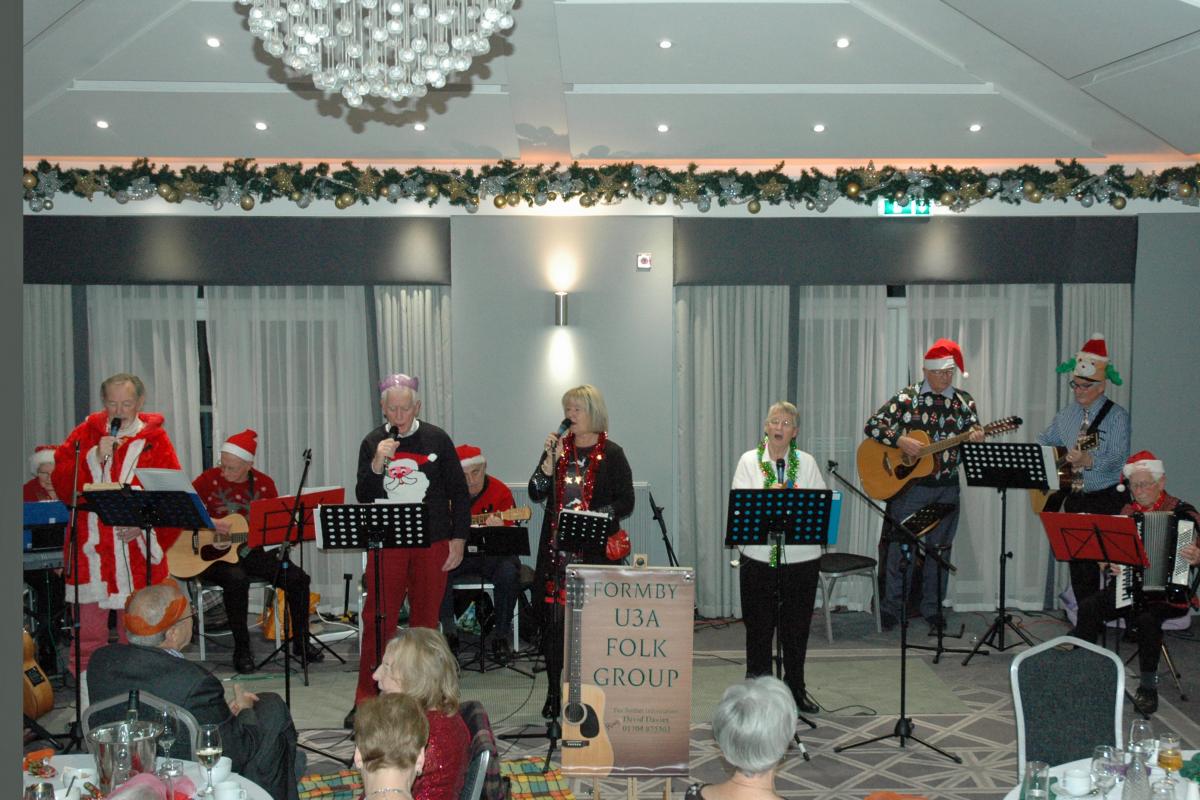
(1057, 771)
(190, 768)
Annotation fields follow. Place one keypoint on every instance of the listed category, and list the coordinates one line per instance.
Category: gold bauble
(383, 191)
(586, 200)
(499, 202)
(1118, 202)
(899, 194)
(513, 198)
(947, 198)
(852, 189)
(346, 199)
(247, 202)
(295, 196)
(174, 196)
(1185, 190)
(432, 190)
(551, 195)
(1035, 196)
(164, 190)
(29, 180)
(754, 206)
(1029, 187)
(626, 185)
(660, 198)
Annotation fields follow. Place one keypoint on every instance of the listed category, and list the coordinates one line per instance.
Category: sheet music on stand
(1009, 465)
(803, 516)
(498, 540)
(371, 525)
(580, 530)
(1094, 537)
(166, 499)
(269, 518)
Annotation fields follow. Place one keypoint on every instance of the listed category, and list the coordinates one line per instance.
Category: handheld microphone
(781, 468)
(563, 427)
(114, 427)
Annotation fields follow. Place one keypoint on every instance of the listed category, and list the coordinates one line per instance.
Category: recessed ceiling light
(262, 126)
(420, 126)
(818, 128)
(213, 41)
(663, 127)
(843, 43)
(101, 124)
(665, 44)
(975, 127)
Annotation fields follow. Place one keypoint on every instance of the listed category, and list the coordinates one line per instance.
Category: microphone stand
(283, 621)
(662, 526)
(904, 725)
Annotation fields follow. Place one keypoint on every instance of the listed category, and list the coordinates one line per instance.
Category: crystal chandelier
(393, 49)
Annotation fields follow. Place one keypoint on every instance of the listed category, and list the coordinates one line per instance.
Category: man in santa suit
(409, 460)
(41, 464)
(113, 445)
(228, 489)
(488, 496)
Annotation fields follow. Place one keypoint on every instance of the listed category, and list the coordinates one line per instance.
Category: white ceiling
(1108, 79)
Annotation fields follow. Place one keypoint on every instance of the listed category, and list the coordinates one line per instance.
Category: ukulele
(38, 697)
(584, 735)
(194, 551)
(1070, 480)
(519, 514)
(885, 470)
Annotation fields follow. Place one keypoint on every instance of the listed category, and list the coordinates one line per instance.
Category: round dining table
(191, 769)
(1057, 770)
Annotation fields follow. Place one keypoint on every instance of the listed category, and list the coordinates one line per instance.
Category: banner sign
(627, 693)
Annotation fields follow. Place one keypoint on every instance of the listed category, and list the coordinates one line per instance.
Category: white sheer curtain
(841, 357)
(732, 360)
(1004, 331)
(413, 330)
(150, 331)
(1105, 308)
(48, 388)
(291, 363)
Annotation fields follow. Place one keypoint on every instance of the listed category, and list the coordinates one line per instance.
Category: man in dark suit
(257, 731)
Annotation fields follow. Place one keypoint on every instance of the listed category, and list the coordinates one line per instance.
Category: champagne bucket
(122, 750)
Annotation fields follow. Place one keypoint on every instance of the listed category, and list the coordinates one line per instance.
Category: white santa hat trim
(42, 455)
(234, 450)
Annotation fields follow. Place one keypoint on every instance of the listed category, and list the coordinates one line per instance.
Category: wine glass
(1170, 757)
(1162, 790)
(1141, 733)
(208, 751)
(1104, 768)
(168, 727)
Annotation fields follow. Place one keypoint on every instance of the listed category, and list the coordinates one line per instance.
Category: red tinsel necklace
(554, 592)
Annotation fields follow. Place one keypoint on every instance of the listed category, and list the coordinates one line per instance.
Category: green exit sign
(913, 208)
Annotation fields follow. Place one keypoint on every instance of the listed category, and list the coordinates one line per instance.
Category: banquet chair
(483, 780)
(200, 590)
(845, 565)
(112, 709)
(1066, 701)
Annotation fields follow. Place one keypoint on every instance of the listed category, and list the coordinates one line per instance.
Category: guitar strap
(1095, 426)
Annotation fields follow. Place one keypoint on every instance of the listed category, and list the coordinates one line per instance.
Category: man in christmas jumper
(1091, 412)
(488, 496)
(112, 561)
(229, 489)
(1147, 484)
(938, 409)
(407, 460)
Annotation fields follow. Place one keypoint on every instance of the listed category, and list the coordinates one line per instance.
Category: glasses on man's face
(780, 423)
(1138, 486)
(942, 373)
(1082, 385)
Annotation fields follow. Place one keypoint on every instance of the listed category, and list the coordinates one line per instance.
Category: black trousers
(1148, 617)
(783, 595)
(234, 580)
(1085, 575)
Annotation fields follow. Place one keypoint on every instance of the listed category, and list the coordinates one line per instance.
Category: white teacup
(220, 770)
(229, 790)
(1077, 781)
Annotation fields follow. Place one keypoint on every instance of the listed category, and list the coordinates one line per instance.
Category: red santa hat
(469, 455)
(945, 353)
(1143, 459)
(1092, 359)
(243, 445)
(42, 454)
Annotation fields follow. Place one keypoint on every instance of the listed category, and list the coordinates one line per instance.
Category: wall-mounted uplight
(560, 308)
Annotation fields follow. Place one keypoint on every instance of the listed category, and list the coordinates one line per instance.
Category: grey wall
(1166, 343)
(511, 365)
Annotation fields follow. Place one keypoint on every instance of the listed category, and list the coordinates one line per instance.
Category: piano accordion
(1164, 534)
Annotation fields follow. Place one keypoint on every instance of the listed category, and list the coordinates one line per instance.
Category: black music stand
(498, 541)
(374, 527)
(148, 510)
(921, 522)
(1003, 466)
(779, 517)
(903, 729)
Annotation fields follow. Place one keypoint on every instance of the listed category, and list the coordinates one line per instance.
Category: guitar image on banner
(518, 514)
(885, 470)
(194, 551)
(585, 739)
(1070, 481)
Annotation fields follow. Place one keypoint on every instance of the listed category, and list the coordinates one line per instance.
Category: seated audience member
(418, 662)
(754, 723)
(488, 496)
(41, 464)
(256, 730)
(390, 732)
(1147, 483)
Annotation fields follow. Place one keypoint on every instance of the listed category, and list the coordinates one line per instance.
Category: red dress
(445, 768)
(34, 491)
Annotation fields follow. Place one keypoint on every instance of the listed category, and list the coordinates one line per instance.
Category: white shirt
(748, 475)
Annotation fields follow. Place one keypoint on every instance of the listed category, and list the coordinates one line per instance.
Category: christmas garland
(246, 183)
(768, 470)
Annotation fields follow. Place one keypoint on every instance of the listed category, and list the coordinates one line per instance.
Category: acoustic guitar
(519, 514)
(194, 551)
(884, 470)
(1070, 481)
(38, 697)
(584, 734)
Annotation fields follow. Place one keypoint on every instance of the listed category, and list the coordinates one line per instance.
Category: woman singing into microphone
(583, 470)
(792, 571)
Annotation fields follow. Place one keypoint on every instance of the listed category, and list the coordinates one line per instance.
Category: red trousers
(416, 573)
(93, 632)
